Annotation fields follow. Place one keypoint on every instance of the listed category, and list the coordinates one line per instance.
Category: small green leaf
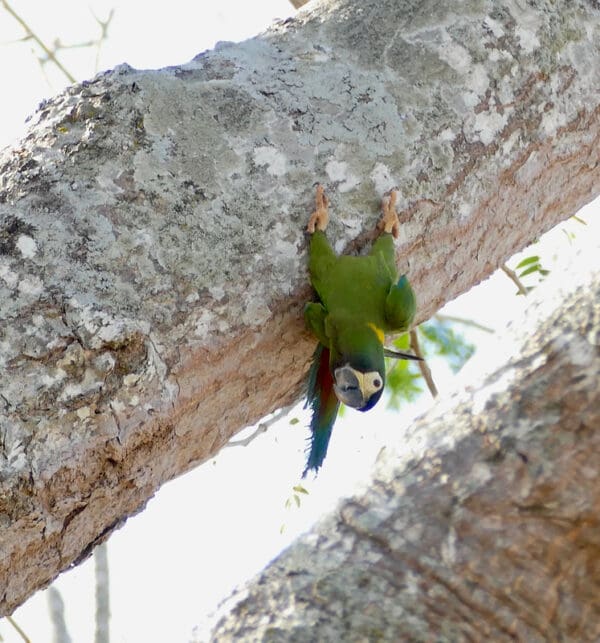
(402, 342)
(528, 289)
(530, 270)
(294, 420)
(403, 384)
(527, 261)
(300, 489)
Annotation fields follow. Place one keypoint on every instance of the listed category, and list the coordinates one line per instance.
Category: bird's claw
(320, 217)
(389, 221)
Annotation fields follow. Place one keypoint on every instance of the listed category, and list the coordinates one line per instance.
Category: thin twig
(104, 24)
(49, 53)
(425, 370)
(22, 634)
(261, 428)
(464, 322)
(58, 45)
(513, 275)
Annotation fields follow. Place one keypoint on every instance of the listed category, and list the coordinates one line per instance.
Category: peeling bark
(152, 257)
(482, 524)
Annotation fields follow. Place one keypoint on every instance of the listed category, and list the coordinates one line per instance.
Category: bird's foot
(320, 217)
(389, 221)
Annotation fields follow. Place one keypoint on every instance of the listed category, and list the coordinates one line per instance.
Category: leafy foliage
(442, 339)
(531, 265)
(295, 498)
(403, 378)
(438, 337)
(294, 501)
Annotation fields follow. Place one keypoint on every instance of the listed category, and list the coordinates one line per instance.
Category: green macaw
(361, 299)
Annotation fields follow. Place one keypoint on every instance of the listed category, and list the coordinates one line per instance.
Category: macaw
(361, 299)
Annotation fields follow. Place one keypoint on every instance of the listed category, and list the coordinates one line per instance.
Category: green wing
(321, 262)
(400, 305)
(314, 317)
(383, 249)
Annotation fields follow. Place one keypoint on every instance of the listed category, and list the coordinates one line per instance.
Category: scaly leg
(321, 256)
(320, 217)
(389, 219)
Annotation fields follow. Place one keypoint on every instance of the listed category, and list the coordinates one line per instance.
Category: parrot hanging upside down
(361, 299)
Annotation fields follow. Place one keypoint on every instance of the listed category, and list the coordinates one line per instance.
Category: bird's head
(358, 369)
(357, 387)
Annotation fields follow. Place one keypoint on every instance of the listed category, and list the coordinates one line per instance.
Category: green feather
(400, 305)
(324, 405)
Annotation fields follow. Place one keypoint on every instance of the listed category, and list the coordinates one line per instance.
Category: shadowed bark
(152, 255)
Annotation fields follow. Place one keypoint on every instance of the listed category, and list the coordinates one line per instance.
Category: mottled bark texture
(482, 524)
(152, 254)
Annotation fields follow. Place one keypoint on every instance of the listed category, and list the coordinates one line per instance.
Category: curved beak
(347, 387)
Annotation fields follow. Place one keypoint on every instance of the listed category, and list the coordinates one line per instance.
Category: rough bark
(152, 259)
(483, 524)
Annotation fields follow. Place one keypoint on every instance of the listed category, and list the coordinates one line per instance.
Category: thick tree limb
(152, 267)
(482, 524)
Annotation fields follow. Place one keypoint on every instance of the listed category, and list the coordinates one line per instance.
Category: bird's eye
(377, 383)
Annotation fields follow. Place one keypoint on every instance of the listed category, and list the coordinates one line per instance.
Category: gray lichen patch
(13, 234)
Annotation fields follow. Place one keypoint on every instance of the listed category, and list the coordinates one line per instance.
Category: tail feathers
(388, 352)
(324, 405)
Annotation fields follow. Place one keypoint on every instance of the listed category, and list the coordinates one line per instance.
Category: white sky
(207, 531)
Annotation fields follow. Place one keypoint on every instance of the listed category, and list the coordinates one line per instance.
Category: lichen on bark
(152, 255)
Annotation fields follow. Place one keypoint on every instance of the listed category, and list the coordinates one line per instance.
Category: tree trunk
(152, 256)
(482, 525)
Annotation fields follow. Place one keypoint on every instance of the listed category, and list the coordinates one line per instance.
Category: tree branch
(423, 366)
(262, 427)
(39, 42)
(102, 634)
(512, 275)
(481, 522)
(56, 606)
(18, 629)
(465, 322)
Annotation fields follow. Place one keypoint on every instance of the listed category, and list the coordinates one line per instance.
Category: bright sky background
(211, 529)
